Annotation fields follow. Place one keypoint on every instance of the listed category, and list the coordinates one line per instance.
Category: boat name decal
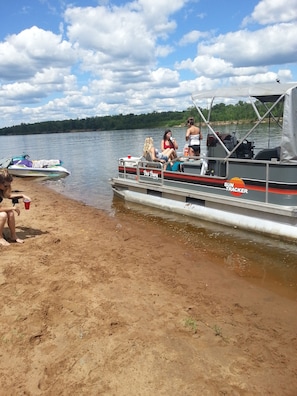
(236, 187)
(150, 174)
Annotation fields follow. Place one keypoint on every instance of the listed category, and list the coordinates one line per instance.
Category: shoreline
(183, 125)
(99, 304)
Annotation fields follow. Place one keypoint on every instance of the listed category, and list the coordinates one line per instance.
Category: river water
(91, 157)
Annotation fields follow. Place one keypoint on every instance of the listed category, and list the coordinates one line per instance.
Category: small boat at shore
(235, 183)
(23, 166)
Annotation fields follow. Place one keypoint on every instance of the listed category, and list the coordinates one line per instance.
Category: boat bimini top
(269, 95)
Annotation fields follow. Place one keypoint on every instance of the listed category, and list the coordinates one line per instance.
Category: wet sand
(100, 305)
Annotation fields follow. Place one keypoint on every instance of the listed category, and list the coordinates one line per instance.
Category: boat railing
(266, 171)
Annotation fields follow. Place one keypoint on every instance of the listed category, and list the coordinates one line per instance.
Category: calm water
(91, 157)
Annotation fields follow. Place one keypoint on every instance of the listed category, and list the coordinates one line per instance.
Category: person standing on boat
(7, 213)
(168, 142)
(193, 137)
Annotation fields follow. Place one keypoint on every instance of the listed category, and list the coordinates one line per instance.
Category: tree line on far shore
(239, 112)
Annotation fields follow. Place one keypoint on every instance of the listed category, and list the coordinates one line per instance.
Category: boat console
(216, 149)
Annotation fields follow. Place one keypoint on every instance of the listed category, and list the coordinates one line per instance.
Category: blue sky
(85, 58)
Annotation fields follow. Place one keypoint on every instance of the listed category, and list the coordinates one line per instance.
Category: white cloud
(136, 58)
(157, 10)
(192, 37)
(163, 51)
(41, 85)
(272, 45)
(259, 78)
(165, 77)
(130, 31)
(213, 67)
(20, 92)
(273, 11)
(22, 55)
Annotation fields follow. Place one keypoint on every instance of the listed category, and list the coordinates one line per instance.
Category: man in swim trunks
(193, 136)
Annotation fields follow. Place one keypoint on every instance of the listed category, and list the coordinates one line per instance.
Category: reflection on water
(261, 260)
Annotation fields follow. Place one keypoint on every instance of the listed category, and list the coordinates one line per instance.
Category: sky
(76, 59)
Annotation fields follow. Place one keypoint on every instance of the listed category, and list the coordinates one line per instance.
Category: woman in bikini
(193, 137)
(7, 213)
(168, 142)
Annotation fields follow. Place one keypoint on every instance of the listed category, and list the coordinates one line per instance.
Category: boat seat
(268, 154)
(148, 157)
(147, 162)
(5, 162)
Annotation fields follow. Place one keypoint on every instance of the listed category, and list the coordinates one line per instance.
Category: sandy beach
(98, 305)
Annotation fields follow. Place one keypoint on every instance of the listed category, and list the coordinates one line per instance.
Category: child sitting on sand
(7, 212)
